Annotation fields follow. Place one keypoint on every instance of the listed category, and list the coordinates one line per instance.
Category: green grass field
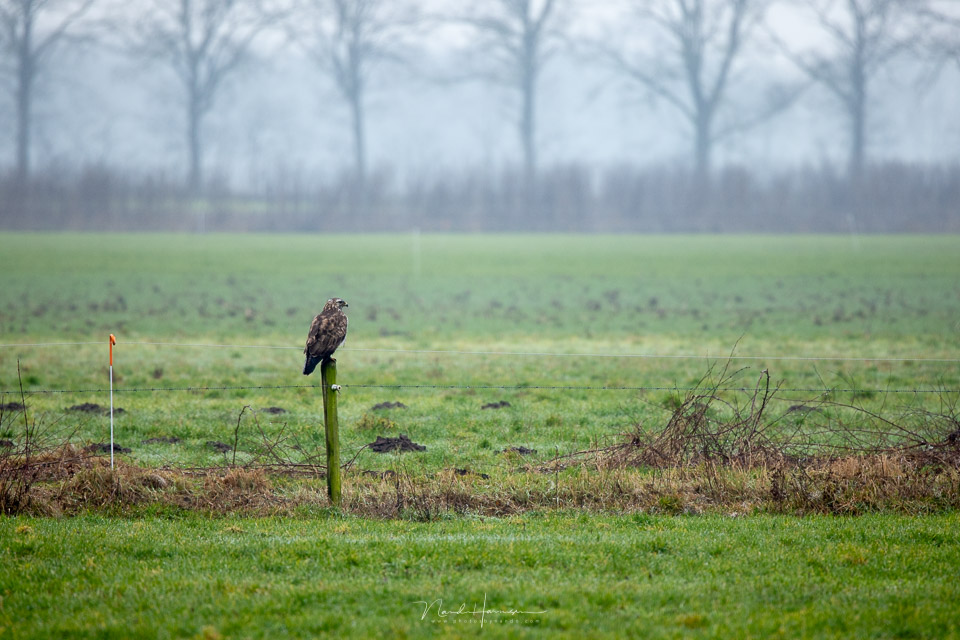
(778, 296)
(444, 317)
(583, 576)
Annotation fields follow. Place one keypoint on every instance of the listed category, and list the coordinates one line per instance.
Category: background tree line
(702, 60)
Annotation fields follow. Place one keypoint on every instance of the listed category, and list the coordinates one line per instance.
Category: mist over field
(716, 115)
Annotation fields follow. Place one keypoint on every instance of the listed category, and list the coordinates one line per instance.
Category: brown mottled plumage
(327, 332)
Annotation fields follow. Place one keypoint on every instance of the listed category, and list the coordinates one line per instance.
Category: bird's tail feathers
(311, 364)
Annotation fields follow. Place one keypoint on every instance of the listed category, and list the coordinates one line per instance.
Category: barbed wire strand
(516, 353)
(214, 346)
(664, 356)
(47, 344)
(516, 387)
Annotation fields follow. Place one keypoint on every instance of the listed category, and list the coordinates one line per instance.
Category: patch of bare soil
(11, 406)
(388, 405)
(89, 407)
(273, 410)
(162, 440)
(400, 443)
(523, 451)
(104, 447)
(464, 472)
(802, 408)
(502, 404)
(389, 473)
(216, 445)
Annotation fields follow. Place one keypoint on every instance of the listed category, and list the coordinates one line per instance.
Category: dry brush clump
(37, 452)
(740, 435)
(858, 484)
(835, 457)
(844, 485)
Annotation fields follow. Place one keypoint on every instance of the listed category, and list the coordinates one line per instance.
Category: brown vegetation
(718, 454)
(73, 483)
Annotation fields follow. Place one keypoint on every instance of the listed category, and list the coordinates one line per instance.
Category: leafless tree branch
(863, 37)
(514, 41)
(692, 51)
(29, 30)
(346, 40)
(202, 42)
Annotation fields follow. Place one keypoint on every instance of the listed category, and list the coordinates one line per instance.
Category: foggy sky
(279, 114)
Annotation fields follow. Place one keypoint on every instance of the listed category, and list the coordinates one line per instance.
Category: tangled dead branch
(706, 428)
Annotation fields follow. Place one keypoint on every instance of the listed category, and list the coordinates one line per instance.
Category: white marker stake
(113, 341)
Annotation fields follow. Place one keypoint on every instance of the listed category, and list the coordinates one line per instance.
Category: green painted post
(328, 380)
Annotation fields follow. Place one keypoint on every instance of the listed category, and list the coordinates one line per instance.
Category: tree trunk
(359, 143)
(858, 135)
(702, 158)
(856, 101)
(528, 123)
(528, 134)
(531, 213)
(858, 140)
(195, 171)
(25, 78)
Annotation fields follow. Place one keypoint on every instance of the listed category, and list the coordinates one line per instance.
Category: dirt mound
(89, 407)
(273, 410)
(496, 405)
(463, 472)
(164, 440)
(104, 447)
(802, 408)
(388, 405)
(523, 451)
(401, 443)
(389, 473)
(219, 446)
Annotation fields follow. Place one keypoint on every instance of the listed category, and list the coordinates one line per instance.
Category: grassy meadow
(891, 297)
(571, 575)
(446, 325)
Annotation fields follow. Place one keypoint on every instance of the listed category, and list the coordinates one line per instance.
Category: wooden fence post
(328, 380)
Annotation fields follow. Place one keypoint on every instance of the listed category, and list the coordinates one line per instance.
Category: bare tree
(689, 61)
(941, 30)
(516, 38)
(346, 39)
(862, 37)
(202, 42)
(29, 31)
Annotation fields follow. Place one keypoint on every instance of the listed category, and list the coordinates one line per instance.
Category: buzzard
(327, 332)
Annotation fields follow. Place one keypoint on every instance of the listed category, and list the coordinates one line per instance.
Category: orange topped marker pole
(113, 341)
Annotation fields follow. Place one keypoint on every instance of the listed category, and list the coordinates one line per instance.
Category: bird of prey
(327, 332)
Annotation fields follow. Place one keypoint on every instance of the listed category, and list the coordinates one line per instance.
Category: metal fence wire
(511, 387)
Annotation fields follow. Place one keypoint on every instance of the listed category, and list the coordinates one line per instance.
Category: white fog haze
(442, 101)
